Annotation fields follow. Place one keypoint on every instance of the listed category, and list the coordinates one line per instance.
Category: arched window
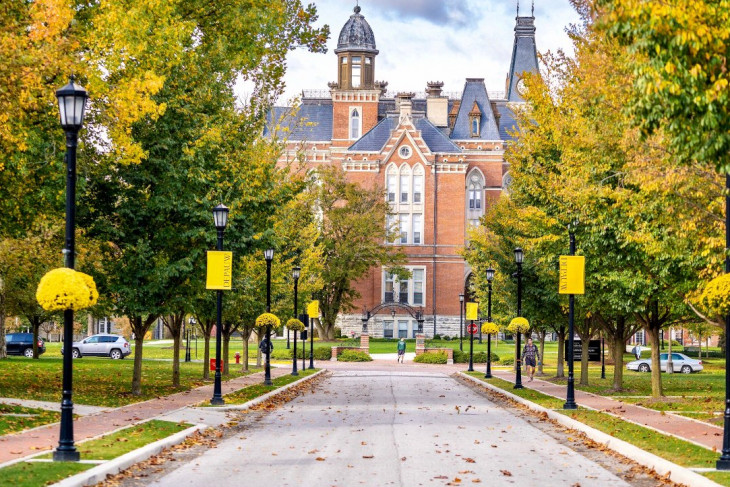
(391, 183)
(355, 124)
(474, 197)
(418, 184)
(405, 183)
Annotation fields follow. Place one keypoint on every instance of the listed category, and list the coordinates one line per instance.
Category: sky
(431, 40)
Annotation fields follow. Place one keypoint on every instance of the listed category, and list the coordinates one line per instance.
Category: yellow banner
(313, 309)
(572, 274)
(472, 310)
(220, 270)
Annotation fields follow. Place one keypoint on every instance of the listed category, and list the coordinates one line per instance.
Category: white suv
(112, 346)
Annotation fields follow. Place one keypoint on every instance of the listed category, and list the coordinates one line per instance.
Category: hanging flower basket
(63, 288)
(295, 325)
(267, 320)
(490, 328)
(519, 325)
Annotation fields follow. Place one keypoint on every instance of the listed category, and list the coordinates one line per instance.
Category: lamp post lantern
(461, 322)
(72, 100)
(269, 256)
(490, 278)
(365, 318)
(295, 273)
(570, 399)
(519, 257)
(220, 218)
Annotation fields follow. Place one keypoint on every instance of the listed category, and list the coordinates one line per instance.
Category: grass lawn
(252, 392)
(675, 450)
(97, 381)
(13, 418)
(33, 474)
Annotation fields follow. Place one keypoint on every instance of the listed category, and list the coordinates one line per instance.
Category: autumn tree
(351, 239)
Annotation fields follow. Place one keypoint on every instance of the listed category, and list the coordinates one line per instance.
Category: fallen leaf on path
(506, 473)
(319, 459)
(368, 456)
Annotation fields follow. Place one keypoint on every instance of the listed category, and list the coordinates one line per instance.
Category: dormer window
(475, 116)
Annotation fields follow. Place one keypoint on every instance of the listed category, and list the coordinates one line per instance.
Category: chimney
(405, 104)
(437, 106)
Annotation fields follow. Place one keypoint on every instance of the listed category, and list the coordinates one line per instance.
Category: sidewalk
(46, 437)
(695, 431)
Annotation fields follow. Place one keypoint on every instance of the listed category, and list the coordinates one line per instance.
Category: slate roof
(378, 136)
(313, 121)
(356, 35)
(507, 122)
(475, 91)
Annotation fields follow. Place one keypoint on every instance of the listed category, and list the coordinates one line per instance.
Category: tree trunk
(36, 323)
(561, 354)
(541, 336)
(670, 365)
(584, 361)
(619, 346)
(700, 343)
(137, 374)
(244, 339)
(656, 371)
(206, 357)
(224, 354)
(174, 324)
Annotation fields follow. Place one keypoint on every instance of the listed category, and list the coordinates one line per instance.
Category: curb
(676, 473)
(268, 395)
(98, 474)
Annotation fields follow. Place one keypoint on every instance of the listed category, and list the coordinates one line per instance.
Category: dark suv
(22, 344)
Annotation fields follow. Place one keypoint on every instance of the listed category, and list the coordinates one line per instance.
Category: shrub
(354, 356)
(447, 338)
(338, 332)
(431, 358)
(281, 354)
(437, 337)
(479, 357)
(508, 361)
(321, 353)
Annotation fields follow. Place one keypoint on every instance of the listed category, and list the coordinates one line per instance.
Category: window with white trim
(355, 124)
(404, 190)
(405, 184)
(387, 329)
(402, 328)
(410, 291)
(404, 227)
(391, 184)
(418, 184)
(356, 71)
(474, 197)
(417, 229)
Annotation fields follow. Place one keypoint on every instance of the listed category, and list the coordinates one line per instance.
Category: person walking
(530, 356)
(401, 349)
(637, 351)
(266, 346)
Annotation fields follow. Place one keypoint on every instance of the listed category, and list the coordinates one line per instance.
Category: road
(390, 428)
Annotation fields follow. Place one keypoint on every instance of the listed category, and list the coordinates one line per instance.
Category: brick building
(439, 158)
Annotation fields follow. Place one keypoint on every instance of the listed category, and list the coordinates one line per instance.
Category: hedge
(431, 358)
(354, 356)
(321, 353)
(479, 357)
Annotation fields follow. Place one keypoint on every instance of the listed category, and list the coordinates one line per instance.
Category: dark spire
(524, 56)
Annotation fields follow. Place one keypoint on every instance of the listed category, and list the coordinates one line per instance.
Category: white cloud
(432, 40)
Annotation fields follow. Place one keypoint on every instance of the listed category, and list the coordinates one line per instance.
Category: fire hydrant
(238, 358)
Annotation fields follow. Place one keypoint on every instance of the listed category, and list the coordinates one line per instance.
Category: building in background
(439, 158)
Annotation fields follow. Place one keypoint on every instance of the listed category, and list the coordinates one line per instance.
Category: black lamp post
(471, 347)
(295, 273)
(603, 358)
(519, 257)
(420, 319)
(220, 217)
(269, 256)
(72, 106)
(311, 342)
(490, 278)
(188, 332)
(461, 322)
(365, 318)
(724, 462)
(570, 400)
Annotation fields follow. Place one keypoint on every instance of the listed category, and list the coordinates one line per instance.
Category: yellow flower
(266, 320)
(490, 328)
(519, 325)
(61, 289)
(295, 325)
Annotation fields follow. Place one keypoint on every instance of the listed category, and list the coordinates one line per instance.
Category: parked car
(22, 344)
(680, 363)
(112, 346)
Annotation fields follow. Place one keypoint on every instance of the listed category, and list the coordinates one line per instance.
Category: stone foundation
(445, 325)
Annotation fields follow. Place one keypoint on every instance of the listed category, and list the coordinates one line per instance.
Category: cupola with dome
(356, 54)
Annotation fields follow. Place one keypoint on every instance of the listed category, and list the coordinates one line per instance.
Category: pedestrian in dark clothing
(530, 356)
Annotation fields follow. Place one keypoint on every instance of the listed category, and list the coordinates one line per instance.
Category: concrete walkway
(395, 428)
(686, 428)
(46, 437)
(79, 410)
